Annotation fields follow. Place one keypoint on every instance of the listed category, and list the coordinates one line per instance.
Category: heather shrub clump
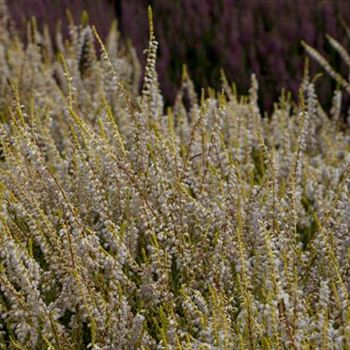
(125, 227)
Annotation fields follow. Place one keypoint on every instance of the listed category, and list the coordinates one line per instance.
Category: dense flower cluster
(124, 227)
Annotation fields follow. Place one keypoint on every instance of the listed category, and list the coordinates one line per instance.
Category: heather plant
(342, 82)
(125, 226)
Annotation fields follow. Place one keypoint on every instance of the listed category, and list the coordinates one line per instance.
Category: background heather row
(240, 36)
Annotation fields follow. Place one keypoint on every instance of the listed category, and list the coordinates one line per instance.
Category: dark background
(239, 36)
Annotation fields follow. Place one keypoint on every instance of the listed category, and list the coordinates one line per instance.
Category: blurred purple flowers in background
(54, 12)
(241, 37)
